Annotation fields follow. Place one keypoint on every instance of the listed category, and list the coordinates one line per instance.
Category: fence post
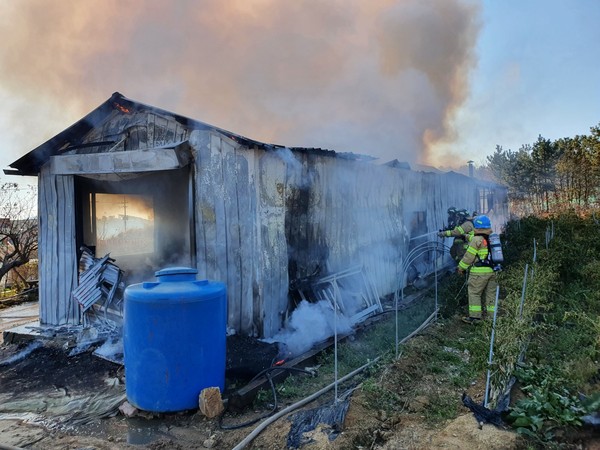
(491, 357)
(523, 292)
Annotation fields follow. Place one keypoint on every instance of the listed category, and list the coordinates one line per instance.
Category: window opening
(144, 222)
(124, 224)
(485, 196)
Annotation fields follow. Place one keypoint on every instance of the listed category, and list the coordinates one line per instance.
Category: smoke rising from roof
(380, 77)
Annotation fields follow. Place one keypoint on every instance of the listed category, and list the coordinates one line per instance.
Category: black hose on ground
(267, 373)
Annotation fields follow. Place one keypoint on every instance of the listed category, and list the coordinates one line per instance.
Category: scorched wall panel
(351, 216)
(57, 249)
(272, 277)
(226, 222)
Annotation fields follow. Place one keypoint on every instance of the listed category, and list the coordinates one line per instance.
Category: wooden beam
(148, 160)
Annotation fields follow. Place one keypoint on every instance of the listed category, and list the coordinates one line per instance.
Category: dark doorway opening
(142, 220)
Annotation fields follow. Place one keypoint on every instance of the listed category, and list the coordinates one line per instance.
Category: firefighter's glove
(460, 271)
(442, 234)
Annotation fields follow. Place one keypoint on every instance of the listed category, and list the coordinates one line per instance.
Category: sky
(437, 82)
(538, 73)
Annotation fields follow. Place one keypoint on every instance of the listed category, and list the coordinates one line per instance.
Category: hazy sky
(538, 72)
(437, 82)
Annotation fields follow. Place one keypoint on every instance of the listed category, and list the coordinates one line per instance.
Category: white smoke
(288, 157)
(379, 77)
(309, 324)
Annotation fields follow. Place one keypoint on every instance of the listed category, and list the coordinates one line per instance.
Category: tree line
(18, 231)
(550, 176)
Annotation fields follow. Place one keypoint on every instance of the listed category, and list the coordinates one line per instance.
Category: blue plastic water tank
(173, 340)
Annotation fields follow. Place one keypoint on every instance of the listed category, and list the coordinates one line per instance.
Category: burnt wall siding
(343, 213)
(56, 201)
(272, 276)
(136, 130)
(225, 221)
(57, 252)
(240, 229)
(264, 218)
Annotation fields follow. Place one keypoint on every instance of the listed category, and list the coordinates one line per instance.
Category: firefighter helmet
(482, 221)
(452, 210)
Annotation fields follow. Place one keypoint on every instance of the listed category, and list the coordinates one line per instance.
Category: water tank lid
(176, 271)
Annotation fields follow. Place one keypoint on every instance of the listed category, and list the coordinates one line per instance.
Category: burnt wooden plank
(52, 250)
(58, 266)
(150, 130)
(62, 257)
(246, 218)
(133, 143)
(221, 221)
(44, 244)
(146, 160)
(70, 248)
(274, 262)
(205, 189)
(202, 208)
(160, 130)
(231, 208)
(181, 133)
(171, 131)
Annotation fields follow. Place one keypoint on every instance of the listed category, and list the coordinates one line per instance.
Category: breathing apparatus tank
(496, 248)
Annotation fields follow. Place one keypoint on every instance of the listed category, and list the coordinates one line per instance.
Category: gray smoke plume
(309, 324)
(380, 77)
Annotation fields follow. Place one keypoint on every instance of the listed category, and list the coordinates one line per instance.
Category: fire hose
(299, 404)
(317, 394)
(9, 447)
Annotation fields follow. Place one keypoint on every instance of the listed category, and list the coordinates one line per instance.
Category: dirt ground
(50, 400)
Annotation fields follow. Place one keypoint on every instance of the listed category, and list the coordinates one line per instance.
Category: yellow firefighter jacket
(477, 253)
(464, 230)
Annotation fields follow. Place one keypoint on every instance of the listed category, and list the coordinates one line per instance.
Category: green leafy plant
(547, 406)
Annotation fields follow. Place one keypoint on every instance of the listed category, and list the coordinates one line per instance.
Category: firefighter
(452, 218)
(462, 233)
(482, 278)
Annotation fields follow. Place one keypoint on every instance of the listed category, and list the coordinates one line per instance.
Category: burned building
(155, 189)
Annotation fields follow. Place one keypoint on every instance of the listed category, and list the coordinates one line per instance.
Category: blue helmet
(482, 221)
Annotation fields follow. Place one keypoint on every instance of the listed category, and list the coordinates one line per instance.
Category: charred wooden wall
(266, 218)
(135, 130)
(225, 222)
(240, 236)
(260, 217)
(343, 212)
(126, 131)
(57, 251)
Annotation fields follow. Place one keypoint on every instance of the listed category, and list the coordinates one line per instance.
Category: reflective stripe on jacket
(477, 251)
(464, 229)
